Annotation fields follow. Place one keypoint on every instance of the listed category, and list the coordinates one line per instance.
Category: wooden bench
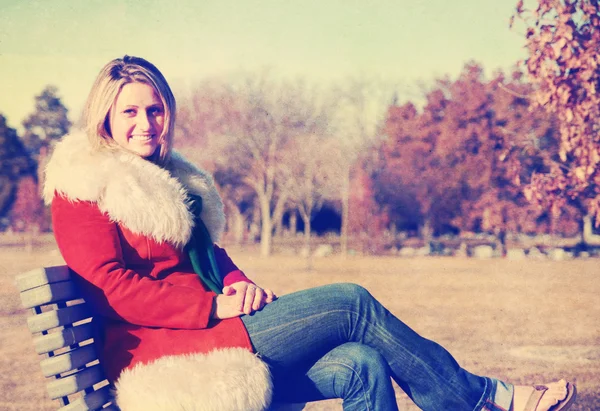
(63, 328)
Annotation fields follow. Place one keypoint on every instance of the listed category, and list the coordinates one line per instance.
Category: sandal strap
(535, 397)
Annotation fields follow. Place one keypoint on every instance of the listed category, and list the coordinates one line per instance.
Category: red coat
(116, 227)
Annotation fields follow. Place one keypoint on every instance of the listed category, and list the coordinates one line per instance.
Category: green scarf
(201, 252)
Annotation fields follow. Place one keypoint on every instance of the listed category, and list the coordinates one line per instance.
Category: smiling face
(137, 119)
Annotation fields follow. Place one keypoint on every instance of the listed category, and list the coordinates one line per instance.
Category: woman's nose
(143, 122)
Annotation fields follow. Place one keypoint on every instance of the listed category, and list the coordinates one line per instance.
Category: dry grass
(525, 321)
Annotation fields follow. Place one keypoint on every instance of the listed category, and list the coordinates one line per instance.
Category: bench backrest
(61, 322)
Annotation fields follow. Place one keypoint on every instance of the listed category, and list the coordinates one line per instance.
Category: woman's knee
(359, 374)
(351, 291)
(359, 362)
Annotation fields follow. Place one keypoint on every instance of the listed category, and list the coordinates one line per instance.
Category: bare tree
(202, 122)
(361, 109)
(262, 117)
(311, 167)
(244, 128)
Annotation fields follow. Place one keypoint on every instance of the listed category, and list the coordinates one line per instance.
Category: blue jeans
(337, 341)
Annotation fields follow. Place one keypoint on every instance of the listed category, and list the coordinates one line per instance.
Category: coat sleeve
(231, 274)
(90, 244)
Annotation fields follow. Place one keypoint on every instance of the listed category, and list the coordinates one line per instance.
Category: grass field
(521, 321)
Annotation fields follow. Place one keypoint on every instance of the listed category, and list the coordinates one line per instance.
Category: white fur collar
(134, 192)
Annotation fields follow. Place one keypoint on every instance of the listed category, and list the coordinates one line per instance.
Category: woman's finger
(249, 298)
(269, 296)
(258, 299)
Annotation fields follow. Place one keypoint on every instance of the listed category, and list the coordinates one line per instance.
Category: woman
(138, 224)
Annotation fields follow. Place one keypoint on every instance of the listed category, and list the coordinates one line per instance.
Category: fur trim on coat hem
(231, 379)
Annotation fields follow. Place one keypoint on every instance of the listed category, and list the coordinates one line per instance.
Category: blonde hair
(108, 84)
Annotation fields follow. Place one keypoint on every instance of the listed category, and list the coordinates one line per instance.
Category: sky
(66, 42)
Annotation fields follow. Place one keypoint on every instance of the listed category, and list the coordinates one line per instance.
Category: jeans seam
(373, 325)
(357, 374)
(383, 330)
(299, 320)
(483, 398)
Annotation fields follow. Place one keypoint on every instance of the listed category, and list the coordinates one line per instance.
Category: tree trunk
(345, 212)
(426, 231)
(278, 225)
(254, 227)
(501, 241)
(502, 232)
(266, 227)
(237, 225)
(293, 223)
(307, 230)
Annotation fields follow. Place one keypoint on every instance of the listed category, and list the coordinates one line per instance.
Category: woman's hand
(241, 298)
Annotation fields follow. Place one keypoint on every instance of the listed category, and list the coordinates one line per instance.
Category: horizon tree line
(517, 153)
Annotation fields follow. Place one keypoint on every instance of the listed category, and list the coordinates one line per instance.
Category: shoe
(562, 405)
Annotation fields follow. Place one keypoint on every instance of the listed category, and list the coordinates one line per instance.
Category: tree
(47, 124)
(563, 39)
(43, 128)
(361, 108)
(368, 220)
(15, 163)
(310, 168)
(487, 119)
(459, 164)
(26, 214)
(527, 144)
(201, 125)
(256, 131)
(417, 164)
(251, 123)
(239, 199)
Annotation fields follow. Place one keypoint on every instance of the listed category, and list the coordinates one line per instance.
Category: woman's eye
(129, 111)
(155, 111)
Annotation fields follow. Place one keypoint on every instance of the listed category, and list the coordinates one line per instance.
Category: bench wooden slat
(41, 276)
(76, 382)
(62, 316)
(68, 361)
(91, 401)
(45, 289)
(49, 293)
(63, 338)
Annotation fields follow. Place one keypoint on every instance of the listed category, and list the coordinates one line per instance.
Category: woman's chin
(144, 151)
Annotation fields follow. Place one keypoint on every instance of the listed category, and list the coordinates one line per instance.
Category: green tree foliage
(47, 124)
(15, 163)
